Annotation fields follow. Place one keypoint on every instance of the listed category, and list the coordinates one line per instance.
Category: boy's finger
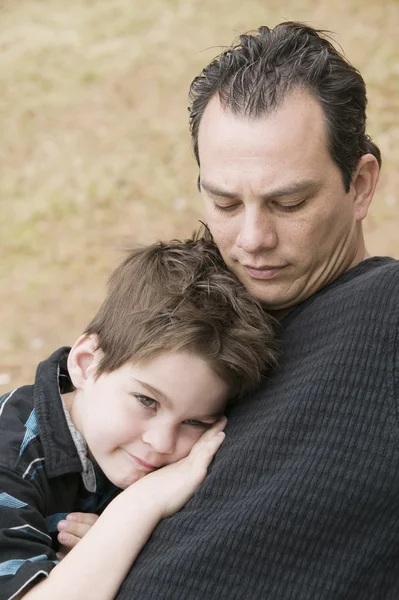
(220, 423)
(68, 540)
(205, 449)
(210, 433)
(60, 555)
(89, 518)
(74, 528)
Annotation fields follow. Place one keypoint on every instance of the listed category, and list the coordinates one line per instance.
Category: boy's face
(142, 417)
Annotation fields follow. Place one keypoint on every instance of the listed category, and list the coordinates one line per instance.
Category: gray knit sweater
(302, 501)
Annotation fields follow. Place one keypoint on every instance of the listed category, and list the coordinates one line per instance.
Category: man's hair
(255, 74)
(180, 296)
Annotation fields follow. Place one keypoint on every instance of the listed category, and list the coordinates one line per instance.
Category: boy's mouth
(143, 463)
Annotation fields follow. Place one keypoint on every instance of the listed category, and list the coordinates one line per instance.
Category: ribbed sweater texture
(302, 500)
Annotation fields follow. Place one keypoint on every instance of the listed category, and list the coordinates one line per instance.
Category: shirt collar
(59, 448)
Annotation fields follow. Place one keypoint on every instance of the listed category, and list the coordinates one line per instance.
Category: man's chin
(274, 300)
(264, 291)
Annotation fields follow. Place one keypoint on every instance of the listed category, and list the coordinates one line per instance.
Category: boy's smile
(142, 417)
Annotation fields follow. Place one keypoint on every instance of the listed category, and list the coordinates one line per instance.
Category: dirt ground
(95, 150)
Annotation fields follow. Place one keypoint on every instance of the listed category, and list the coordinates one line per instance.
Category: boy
(141, 393)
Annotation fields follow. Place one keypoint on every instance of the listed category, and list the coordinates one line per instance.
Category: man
(302, 500)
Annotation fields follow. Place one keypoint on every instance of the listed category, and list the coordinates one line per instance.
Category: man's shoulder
(379, 267)
(372, 278)
(367, 291)
(375, 267)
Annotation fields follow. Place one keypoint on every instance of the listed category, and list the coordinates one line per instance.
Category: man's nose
(257, 232)
(161, 438)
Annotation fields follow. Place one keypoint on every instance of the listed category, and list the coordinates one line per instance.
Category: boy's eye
(145, 400)
(195, 423)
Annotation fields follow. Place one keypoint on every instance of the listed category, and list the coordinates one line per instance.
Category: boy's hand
(170, 488)
(72, 529)
(167, 489)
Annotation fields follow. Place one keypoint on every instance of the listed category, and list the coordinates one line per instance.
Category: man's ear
(82, 360)
(364, 181)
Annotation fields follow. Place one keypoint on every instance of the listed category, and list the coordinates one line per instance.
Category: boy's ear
(82, 360)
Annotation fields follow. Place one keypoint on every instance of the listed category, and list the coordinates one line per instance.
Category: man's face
(275, 200)
(142, 417)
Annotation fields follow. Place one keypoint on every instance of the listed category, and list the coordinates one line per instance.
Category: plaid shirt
(40, 477)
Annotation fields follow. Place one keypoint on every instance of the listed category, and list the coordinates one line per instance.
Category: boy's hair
(254, 75)
(180, 296)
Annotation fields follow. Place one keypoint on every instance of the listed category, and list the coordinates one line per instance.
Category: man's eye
(224, 209)
(145, 400)
(195, 423)
(291, 207)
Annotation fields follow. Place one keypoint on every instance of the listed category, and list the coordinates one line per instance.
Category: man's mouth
(262, 272)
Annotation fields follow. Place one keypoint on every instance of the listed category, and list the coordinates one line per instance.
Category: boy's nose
(161, 439)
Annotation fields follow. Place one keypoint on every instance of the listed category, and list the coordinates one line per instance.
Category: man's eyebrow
(215, 191)
(155, 392)
(308, 185)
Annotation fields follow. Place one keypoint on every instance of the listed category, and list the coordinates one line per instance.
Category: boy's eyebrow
(155, 392)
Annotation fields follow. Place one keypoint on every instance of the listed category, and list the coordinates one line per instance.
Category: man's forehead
(298, 119)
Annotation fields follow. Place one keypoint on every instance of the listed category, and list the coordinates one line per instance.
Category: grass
(95, 148)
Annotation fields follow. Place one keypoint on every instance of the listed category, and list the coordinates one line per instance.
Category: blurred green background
(95, 150)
